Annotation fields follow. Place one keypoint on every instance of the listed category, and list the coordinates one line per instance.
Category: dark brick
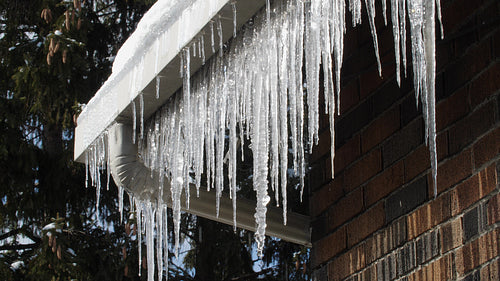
(386, 268)
(470, 224)
(427, 246)
(451, 235)
(347, 153)
(491, 271)
(485, 85)
(368, 274)
(474, 276)
(473, 189)
(474, 222)
(470, 128)
(384, 183)
(428, 216)
(346, 208)
(319, 227)
(353, 122)
(329, 247)
(409, 110)
(496, 44)
(365, 224)
(347, 263)
(487, 148)
(455, 14)
(454, 170)
(403, 142)
(380, 129)
(451, 109)
(386, 97)
(406, 258)
(494, 209)
(406, 199)
(462, 70)
(362, 170)
(349, 96)
(386, 240)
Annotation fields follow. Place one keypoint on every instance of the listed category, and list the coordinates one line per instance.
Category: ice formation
(242, 93)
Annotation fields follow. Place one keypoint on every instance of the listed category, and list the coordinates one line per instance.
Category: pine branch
(18, 247)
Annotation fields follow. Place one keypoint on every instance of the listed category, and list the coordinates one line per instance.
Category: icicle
(402, 30)
(384, 11)
(219, 33)
(233, 6)
(429, 34)
(120, 202)
(87, 169)
(355, 8)
(157, 56)
(212, 35)
(134, 121)
(150, 222)
(370, 7)
(141, 104)
(158, 86)
(395, 33)
(138, 208)
(438, 7)
(202, 49)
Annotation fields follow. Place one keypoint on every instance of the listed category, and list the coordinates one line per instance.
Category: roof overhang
(183, 22)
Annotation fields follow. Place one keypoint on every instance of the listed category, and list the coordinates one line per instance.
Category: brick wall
(378, 219)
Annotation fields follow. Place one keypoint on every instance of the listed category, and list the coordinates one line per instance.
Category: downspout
(130, 172)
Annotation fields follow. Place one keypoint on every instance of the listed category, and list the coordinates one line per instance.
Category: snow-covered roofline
(162, 33)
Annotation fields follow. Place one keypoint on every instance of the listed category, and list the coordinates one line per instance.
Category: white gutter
(128, 171)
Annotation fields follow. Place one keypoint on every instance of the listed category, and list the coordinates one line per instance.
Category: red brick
(365, 224)
(323, 198)
(385, 240)
(452, 109)
(345, 209)
(349, 96)
(451, 235)
(487, 148)
(428, 216)
(441, 269)
(329, 247)
(494, 209)
(477, 252)
(347, 153)
(380, 129)
(473, 189)
(419, 160)
(384, 183)
(485, 85)
(454, 170)
(491, 271)
(362, 170)
(346, 264)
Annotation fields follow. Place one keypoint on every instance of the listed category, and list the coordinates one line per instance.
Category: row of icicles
(255, 91)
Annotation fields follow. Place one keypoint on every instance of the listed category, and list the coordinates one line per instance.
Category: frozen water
(264, 98)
